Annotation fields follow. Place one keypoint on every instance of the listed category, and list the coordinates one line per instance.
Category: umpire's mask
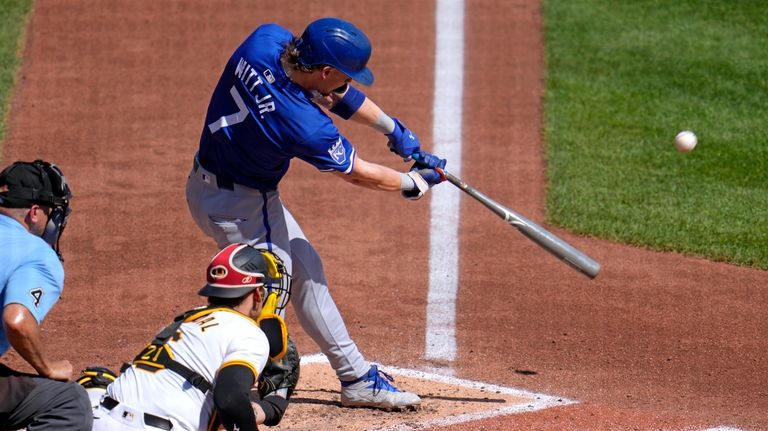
(40, 183)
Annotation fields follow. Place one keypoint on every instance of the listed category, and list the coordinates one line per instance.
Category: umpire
(34, 207)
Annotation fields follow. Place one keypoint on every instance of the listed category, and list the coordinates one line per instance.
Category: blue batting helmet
(339, 44)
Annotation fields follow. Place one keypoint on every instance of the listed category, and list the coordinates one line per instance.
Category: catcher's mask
(40, 183)
(239, 269)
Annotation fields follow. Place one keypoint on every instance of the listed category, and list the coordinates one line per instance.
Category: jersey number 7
(242, 114)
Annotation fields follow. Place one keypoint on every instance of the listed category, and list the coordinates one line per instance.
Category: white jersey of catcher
(206, 342)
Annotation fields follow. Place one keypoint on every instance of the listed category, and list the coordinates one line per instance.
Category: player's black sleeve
(232, 400)
(274, 407)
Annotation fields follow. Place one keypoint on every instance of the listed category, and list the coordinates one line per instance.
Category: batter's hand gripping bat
(536, 233)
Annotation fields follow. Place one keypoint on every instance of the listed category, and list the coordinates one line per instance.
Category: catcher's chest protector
(157, 356)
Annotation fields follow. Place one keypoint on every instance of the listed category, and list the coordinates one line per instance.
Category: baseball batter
(267, 109)
(199, 371)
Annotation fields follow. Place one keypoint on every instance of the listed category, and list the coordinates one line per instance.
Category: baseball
(685, 141)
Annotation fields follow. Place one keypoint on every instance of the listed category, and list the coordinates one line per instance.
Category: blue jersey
(30, 272)
(258, 119)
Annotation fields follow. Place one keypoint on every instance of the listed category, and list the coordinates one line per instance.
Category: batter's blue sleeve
(327, 151)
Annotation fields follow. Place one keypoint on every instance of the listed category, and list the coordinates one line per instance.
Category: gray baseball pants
(42, 404)
(244, 214)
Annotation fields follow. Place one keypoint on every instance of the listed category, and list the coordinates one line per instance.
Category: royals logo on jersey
(338, 153)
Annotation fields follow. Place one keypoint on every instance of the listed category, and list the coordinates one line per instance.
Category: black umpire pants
(36, 403)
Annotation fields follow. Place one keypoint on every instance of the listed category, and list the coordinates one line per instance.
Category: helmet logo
(247, 279)
(218, 272)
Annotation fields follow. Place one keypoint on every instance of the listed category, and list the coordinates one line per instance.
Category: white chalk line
(533, 401)
(440, 335)
(440, 331)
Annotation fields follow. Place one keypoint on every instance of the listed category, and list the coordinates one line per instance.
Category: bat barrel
(545, 239)
(559, 248)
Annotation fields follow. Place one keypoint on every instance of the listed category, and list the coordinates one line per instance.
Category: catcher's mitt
(282, 374)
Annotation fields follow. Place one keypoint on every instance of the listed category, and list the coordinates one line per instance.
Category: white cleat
(374, 390)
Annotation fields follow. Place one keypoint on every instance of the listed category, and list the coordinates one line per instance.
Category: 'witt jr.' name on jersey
(251, 79)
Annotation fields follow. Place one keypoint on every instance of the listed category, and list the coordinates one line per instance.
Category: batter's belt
(221, 181)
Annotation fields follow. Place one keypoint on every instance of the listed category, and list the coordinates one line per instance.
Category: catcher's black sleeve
(274, 407)
(231, 396)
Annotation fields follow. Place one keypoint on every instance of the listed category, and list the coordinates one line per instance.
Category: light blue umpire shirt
(30, 273)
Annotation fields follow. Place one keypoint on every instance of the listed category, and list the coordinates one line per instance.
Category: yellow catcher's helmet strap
(270, 304)
(274, 266)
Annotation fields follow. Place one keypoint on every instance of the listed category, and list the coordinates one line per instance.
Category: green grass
(13, 21)
(623, 77)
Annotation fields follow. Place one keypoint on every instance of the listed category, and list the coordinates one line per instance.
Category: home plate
(445, 400)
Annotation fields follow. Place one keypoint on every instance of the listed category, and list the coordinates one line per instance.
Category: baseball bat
(547, 240)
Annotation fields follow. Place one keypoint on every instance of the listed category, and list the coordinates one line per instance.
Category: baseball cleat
(374, 390)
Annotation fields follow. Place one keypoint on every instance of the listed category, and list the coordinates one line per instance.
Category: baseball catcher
(214, 365)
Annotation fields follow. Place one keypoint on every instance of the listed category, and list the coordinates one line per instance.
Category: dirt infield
(115, 93)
